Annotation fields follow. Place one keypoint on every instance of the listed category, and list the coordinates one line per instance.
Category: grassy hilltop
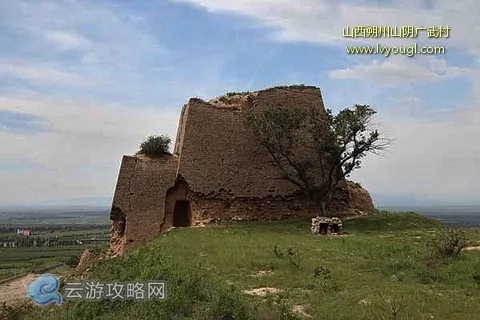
(383, 268)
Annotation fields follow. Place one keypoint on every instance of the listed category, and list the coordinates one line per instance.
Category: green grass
(19, 260)
(14, 261)
(382, 262)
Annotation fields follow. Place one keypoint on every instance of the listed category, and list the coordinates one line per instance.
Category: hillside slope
(380, 267)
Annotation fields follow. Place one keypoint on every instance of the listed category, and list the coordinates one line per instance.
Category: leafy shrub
(276, 308)
(229, 94)
(155, 146)
(390, 308)
(292, 255)
(278, 252)
(476, 278)
(324, 279)
(72, 261)
(320, 271)
(449, 242)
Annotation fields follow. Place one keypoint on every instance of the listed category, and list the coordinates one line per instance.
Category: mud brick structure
(217, 172)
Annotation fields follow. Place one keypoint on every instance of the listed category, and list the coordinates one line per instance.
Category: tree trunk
(324, 210)
(328, 199)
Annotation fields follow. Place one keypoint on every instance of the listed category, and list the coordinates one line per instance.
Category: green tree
(315, 150)
(155, 146)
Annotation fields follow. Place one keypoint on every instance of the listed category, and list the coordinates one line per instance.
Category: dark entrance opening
(335, 228)
(182, 214)
(323, 228)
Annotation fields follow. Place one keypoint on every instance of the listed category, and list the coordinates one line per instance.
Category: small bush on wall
(155, 146)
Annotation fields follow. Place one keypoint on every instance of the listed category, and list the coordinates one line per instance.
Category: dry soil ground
(16, 290)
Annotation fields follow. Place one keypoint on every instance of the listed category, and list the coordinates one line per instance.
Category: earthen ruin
(217, 172)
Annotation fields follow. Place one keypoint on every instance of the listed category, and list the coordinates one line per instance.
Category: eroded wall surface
(221, 158)
(229, 173)
(139, 202)
(350, 199)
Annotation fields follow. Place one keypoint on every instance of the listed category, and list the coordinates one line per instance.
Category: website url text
(409, 51)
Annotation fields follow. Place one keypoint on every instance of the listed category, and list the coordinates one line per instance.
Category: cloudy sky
(84, 82)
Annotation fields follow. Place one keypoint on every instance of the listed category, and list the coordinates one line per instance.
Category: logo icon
(44, 290)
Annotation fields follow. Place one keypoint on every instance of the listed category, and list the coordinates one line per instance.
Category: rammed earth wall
(218, 171)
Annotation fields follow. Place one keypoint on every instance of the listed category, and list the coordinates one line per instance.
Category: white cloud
(79, 151)
(67, 40)
(322, 21)
(39, 73)
(431, 158)
(409, 99)
(398, 70)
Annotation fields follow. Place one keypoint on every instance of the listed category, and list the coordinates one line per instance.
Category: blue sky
(83, 82)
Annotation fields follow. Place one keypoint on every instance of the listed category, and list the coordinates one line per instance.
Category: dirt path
(16, 290)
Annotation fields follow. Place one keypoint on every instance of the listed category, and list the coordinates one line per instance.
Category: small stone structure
(218, 171)
(326, 225)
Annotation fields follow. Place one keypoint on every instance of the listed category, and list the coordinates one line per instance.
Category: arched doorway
(178, 209)
(182, 214)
